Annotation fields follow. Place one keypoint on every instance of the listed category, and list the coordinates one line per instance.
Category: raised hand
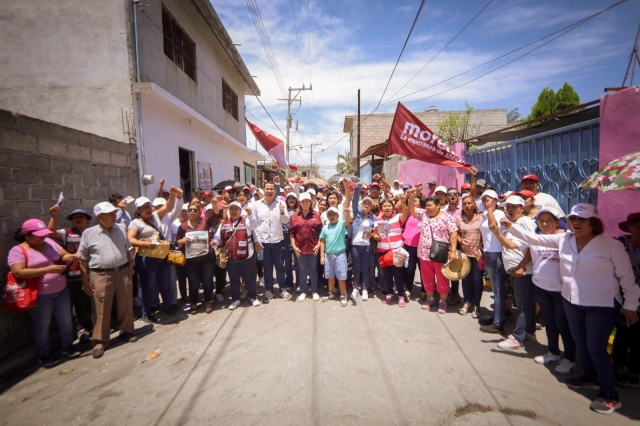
(297, 179)
(248, 210)
(276, 179)
(173, 190)
(473, 171)
(281, 208)
(55, 211)
(506, 223)
(179, 193)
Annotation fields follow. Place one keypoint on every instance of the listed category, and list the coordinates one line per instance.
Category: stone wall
(38, 160)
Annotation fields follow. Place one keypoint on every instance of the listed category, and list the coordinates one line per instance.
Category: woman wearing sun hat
(594, 269)
(628, 338)
(36, 256)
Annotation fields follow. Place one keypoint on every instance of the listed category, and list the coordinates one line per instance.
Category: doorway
(185, 159)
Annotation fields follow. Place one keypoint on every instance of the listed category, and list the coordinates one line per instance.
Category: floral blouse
(441, 227)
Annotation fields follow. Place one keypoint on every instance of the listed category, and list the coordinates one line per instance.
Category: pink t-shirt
(411, 234)
(50, 283)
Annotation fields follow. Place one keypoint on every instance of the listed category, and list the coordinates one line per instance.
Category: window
(249, 174)
(178, 46)
(236, 173)
(229, 100)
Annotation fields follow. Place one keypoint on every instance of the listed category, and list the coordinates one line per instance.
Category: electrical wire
(415, 21)
(445, 46)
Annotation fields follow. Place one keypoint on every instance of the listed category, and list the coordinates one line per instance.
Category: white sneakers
(301, 297)
(365, 295)
(316, 296)
(234, 304)
(564, 365)
(355, 293)
(343, 301)
(255, 302)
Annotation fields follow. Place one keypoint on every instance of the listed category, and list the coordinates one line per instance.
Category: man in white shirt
(270, 215)
(481, 186)
(397, 188)
(541, 200)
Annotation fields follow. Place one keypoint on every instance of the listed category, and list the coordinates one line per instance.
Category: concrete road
(310, 363)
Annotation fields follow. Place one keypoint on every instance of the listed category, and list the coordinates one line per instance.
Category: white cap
(367, 199)
(142, 201)
(441, 189)
(159, 202)
(235, 204)
(185, 207)
(491, 194)
(311, 191)
(396, 181)
(549, 210)
(584, 211)
(292, 194)
(332, 209)
(513, 199)
(104, 207)
(305, 196)
(209, 207)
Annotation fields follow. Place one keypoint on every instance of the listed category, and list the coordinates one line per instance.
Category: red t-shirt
(305, 230)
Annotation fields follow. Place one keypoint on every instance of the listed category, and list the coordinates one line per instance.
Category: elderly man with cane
(105, 251)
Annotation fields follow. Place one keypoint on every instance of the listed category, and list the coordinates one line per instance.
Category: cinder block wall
(38, 160)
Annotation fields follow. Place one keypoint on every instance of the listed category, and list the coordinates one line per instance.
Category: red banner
(271, 144)
(412, 138)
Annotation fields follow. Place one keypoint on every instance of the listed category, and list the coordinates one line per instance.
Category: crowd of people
(370, 238)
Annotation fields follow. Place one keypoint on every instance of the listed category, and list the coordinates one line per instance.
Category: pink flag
(273, 145)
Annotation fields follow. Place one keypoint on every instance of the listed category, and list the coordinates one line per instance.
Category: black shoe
(150, 319)
(485, 321)
(582, 382)
(621, 380)
(97, 353)
(492, 329)
(172, 311)
(632, 381)
(48, 360)
(70, 353)
(267, 296)
(128, 337)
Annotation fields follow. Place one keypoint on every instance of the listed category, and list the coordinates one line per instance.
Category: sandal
(464, 310)
(476, 312)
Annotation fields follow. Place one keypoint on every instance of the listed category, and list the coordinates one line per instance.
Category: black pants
(410, 271)
(391, 274)
(181, 272)
(81, 304)
(221, 278)
(627, 339)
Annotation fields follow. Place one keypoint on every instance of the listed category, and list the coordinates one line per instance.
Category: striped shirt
(391, 232)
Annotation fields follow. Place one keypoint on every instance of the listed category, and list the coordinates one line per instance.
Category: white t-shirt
(512, 257)
(363, 233)
(543, 200)
(489, 241)
(174, 229)
(479, 205)
(546, 268)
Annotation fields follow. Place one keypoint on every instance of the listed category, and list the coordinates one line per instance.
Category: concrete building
(94, 96)
(168, 78)
(375, 129)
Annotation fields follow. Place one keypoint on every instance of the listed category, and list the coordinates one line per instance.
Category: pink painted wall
(619, 135)
(414, 171)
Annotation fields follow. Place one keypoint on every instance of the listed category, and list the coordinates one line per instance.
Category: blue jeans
(200, 271)
(555, 321)
(472, 284)
(289, 266)
(239, 270)
(523, 293)
(58, 304)
(373, 266)
(152, 271)
(361, 256)
(591, 327)
(308, 265)
(497, 276)
(273, 254)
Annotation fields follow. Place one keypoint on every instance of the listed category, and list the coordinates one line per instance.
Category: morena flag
(273, 145)
(412, 138)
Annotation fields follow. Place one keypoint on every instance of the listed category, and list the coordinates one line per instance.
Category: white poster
(205, 176)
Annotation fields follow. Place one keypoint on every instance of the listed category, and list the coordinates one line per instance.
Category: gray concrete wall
(376, 128)
(68, 62)
(38, 160)
(205, 95)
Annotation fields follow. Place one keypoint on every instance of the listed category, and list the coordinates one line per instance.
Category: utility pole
(358, 150)
(290, 100)
(311, 163)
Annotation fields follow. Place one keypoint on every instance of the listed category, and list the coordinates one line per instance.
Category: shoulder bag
(20, 296)
(439, 251)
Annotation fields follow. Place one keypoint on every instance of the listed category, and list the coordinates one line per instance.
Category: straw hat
(456, 269)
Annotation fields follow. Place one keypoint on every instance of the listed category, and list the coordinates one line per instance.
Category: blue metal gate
(561, 159)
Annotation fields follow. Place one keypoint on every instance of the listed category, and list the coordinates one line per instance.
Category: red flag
(412, 138)
(273, 145)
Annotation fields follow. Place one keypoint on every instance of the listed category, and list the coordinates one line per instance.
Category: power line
(295, 25)
(445, 46)
(584, 21)
(575, 24)
(402, 51)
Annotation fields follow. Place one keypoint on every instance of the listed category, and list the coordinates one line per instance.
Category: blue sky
(353, 44)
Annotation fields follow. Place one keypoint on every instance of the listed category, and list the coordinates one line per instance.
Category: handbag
(439, 251)
(20, 296)
(160, 250)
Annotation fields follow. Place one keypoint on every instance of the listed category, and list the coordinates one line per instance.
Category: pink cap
(35, 227)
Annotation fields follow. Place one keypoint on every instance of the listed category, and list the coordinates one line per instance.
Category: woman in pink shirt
(36, 256)
(411, 237)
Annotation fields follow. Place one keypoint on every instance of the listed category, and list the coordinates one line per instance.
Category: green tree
(458, 127)
(546, 104)
(567, 97)
(346, 164)
(513, 116)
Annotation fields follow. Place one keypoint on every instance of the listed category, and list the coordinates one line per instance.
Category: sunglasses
(450, 194)
(194, 210)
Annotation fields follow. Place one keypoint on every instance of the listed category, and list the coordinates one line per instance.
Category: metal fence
(561, 159)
